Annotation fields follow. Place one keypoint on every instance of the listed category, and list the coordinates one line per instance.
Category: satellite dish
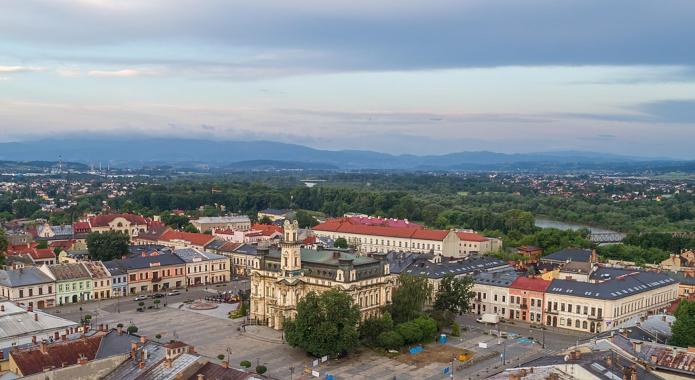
(567, 358)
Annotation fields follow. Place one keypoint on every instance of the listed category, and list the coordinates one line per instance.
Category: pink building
(526, 299)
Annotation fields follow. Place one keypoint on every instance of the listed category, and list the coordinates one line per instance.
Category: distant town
(125, 278)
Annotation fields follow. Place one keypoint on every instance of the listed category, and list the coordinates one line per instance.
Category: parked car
(174, 293)
(140, 298)
(158, 295)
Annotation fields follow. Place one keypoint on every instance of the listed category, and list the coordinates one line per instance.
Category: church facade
(283, 277)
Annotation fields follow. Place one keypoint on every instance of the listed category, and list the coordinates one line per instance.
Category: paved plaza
(211, 333)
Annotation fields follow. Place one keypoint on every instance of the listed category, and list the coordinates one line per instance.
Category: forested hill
(140, 152)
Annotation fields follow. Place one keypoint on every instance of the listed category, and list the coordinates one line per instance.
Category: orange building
(526, 299)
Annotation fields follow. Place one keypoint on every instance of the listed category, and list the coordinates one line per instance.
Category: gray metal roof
(21, 277)
(619, 287)
(222, 219)
(503, 279)
(190, 255)
(66, 272)
(468, 265)
(114, 344)
(16, 322)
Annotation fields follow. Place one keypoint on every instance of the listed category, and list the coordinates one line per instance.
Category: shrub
(132, 329)
(261, 369)
(141, 304)
(410, 332)
(245, 364)
(373, 327)
(119, 325)
(428, 327)
(87, 317)
(390, 340)
(455, 330)
(220, 356)
(158, 336)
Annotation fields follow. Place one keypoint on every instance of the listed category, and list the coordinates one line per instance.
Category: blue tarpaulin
(415, 350)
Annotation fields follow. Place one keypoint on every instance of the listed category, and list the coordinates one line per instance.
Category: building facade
(73, 282)
(285, 276)
(526, 299)
(234, 222)
(28, 287)
(203, 268)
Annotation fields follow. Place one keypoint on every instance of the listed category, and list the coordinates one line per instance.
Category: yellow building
(285, 276)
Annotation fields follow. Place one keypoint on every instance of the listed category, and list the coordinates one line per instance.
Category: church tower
(291, 260)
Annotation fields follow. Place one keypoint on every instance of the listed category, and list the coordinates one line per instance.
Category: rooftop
(468, 265)
(344, 226)
(222, 219)
(58, 354)
(104, 220)
(16, 322)
(65, 272)
(190, 255)
(532, 284)
(22, 277)
(619, 287)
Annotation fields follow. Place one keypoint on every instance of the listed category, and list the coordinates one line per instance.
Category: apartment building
(203, 268)
(152, 271)
(607, 304)
(101, 279)
(234, 222)
(526, 299)
(73, 282)
(130, 224)
(28, 287)
(471, 242)
(491, 291)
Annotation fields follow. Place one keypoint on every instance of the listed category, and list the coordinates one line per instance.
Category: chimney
(653, 359)
(82, 360)
(36, 317)
(609, 361)
(141, 365)
(56, 335)
(225, 364)
(167, 363)
(33, 339)
(2, 355)
(514, 376)
(637, 346)
(663, 318)
(575, 355)
(64, 337)
(2, 307)
(30, 308)
(143, 339)
(200, 376)
(43, 347)
(106, 327)
(120, 330)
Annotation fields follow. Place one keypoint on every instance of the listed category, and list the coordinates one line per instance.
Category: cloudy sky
(397, 76)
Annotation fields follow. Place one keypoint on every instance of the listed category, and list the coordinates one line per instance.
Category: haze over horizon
(420, 78)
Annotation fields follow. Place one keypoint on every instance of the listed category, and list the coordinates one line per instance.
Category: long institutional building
(386, 235)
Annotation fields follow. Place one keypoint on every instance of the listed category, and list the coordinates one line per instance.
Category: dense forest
(500, 206)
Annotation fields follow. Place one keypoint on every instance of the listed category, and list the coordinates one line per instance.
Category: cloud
(114, 73)
(360, 35)
(18, 69)
(662, 111)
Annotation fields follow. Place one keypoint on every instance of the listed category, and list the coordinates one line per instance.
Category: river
(549, 223)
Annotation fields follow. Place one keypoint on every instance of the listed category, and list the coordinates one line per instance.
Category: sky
(396, 76)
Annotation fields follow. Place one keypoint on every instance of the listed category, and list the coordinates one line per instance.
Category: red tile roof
(471, 236)
(21, 248)
(532, 284)
(267, 229)
(42, 254)
(56, 355)
(104, 220)
(400, 232)
(81, 226)
(190, 237)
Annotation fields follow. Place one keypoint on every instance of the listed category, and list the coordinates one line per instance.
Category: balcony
(596, 317)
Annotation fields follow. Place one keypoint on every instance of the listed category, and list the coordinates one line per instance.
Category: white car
(140, 298)
(174, 293)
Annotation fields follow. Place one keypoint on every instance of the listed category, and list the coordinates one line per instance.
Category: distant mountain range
(260, 155)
